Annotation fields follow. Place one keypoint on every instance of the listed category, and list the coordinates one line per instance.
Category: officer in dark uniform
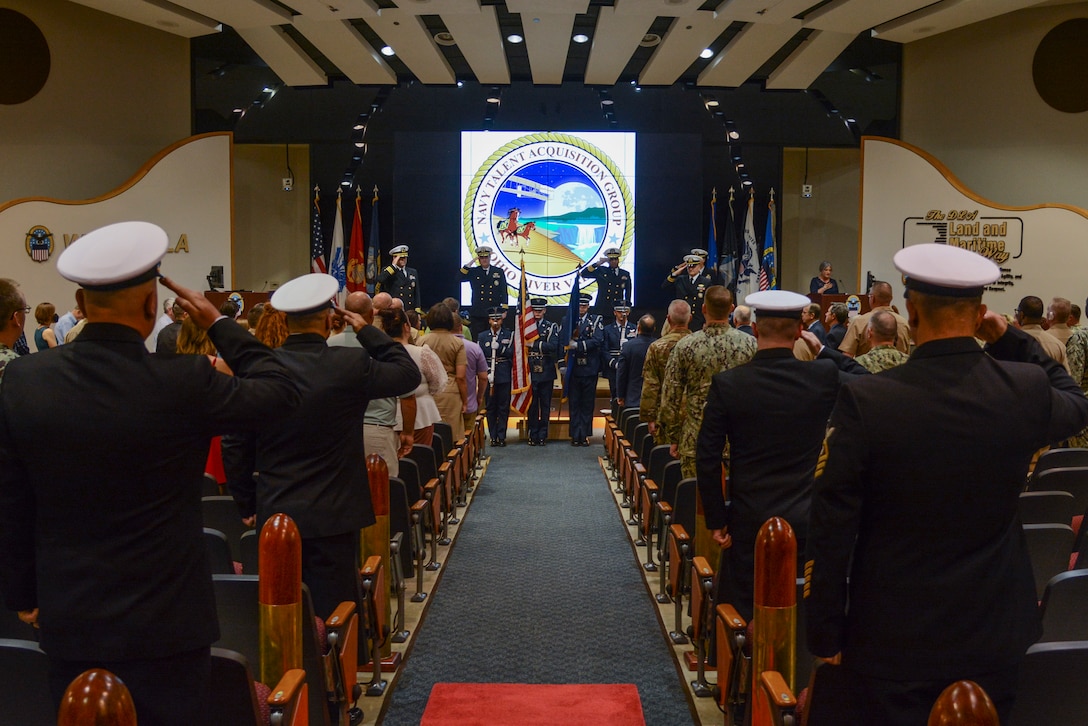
(498, 345)
(710, 268)
(488, 289)
(584, 357)
(616, 334)
(542, 353)
(102, 547)
(399, 280)
(918, 573)
(613, 283)
(690, 282)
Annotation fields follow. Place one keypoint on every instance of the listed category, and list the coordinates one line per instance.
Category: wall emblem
(39, 243)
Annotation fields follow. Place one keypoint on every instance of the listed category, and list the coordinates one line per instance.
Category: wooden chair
(680, 548)
(375, 591)
(1050, 689)
(24, 671)
(429, 470)
(731, 635)
(1055, 458)
(665, 499)
(1049, 546)
(234, 694)
(702, 580)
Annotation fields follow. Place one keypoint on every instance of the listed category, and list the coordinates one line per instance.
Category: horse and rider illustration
(512, 231)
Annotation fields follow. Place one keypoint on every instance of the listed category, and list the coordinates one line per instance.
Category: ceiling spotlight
(650, 40)
(746, 183)
(638, 88)
(239, 110)
(851, 120)
(493, 99)
(580, 38)
(712, 103)
(445, 38)
(734, 134)
(359, 144)
(358, 127)
(268, 89)
(514, 38)
(388, 51)
(460, 84)
(707, 53)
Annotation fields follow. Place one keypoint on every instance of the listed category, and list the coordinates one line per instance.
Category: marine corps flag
(372, 260)
(526, 333)
(356, 272)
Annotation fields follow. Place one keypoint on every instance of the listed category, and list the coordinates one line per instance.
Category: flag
(569, 323)
(747, 280)
(317, 239)
(526, 333)
(712, 235)
(727, 265)
(356, 270)
(337, 265)
(768, 278)
(372, 259)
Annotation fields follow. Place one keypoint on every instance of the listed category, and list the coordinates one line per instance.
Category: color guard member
(584, 361)
(497, 344)
(542, 354)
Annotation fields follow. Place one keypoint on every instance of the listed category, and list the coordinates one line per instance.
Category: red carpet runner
(495, 704)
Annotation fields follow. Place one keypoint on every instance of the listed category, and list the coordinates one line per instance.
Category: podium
(248, 298)
(860, 307)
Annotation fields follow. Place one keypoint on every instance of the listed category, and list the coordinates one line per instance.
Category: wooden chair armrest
(444, 468)
(431, 486)
(341, 615)
(778, 693)
(729, 617)
(679, 533)
(290, 699)
(640, 469)
(665, 508)
(651, 486)
(701, 568)
(373, 564)
(419, 506)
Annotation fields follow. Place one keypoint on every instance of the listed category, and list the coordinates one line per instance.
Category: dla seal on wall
(39, 243)
(556, 199)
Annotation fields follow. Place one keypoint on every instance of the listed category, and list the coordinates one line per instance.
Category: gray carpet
(542, 587)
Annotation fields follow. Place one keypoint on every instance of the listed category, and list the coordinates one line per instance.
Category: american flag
(522, 388)
(317, 239)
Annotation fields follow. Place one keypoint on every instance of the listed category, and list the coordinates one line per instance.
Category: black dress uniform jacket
(312, 465)
(773, 410)
(106, 537)
(691, 289)
(488, 288)
(923, 465)
(613, 286)
(403, 284)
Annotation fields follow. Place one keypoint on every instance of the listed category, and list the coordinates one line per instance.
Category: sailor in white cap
(399, 280)
(103, 546)
(613, 282)
(915, 507)
(616, 333)
(488, 286)
(772, 411)
(711, 269)
(313, 465)
(690, 282)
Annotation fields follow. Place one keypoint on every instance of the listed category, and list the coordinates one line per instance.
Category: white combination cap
(692, 259)
(777, 303)
(399, 250)
(115, 256)
(483, 251)
(701, 252)
(940, 269)
(612, 252)
(307, 294)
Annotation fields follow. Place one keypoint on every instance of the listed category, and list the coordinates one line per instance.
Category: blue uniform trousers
(581, 392)
(540, 410)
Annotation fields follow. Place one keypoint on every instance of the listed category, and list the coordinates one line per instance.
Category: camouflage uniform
(882, 358)
(1076, 350)
(693, 362)
(653, 373)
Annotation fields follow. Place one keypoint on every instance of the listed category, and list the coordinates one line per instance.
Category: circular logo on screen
(553, 199)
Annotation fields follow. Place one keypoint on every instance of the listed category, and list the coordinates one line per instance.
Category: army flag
(727, 264)
(747, 281)
(337, 264)
(356, 271)
(768, 276)
(317, 239)
(526, 333)
(372, 256)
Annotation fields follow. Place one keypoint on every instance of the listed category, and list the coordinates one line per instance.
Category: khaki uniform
(1051, 345)
(856, 342)
(693, 362)
(451, 351)
(882, 358)
(653, 374)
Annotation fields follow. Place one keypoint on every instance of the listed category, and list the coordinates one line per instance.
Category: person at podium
(823, 283)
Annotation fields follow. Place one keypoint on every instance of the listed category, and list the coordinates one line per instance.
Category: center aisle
(542, 587)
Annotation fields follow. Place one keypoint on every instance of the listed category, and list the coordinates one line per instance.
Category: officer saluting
(691, 282)
(584, 356)
(399, 280)
(715, 276)
(498, 346)
(488, 289)
(613, 284)
(615, 335)
(542, 352)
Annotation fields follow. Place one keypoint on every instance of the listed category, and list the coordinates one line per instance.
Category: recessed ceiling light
(388, 51)
(445, 38)
(514, 38)
(747, 182)
(493, 99)
(268, 89)
(734, 135)
(707, 53)
(238, 110)
(712, 103)
(460, 84)
(607, 102)
(358, 127)
(650, 40)
(580, 38)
